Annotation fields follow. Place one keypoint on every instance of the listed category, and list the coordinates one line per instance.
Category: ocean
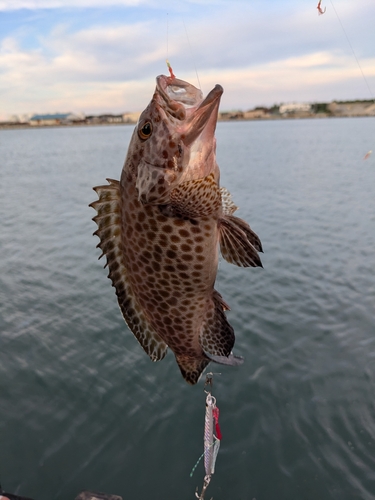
(81, 404)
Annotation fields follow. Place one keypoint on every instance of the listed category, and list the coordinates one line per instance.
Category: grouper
(162, 225)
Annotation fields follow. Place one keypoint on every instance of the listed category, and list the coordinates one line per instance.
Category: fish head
(175, 139)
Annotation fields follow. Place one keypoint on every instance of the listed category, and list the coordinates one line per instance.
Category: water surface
(81, 405)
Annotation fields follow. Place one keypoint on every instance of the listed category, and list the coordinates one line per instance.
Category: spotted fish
(161, 226)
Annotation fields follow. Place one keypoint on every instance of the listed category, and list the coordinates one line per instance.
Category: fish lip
(204, 118)
(193, 111)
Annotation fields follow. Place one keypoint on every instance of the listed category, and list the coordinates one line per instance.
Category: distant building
(294, 107)
(131, 117)
(359, 108)
(231, 115)
(53, 119)
(254, 114)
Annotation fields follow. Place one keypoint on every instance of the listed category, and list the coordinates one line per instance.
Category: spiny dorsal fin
(108, 219)
(238, 243)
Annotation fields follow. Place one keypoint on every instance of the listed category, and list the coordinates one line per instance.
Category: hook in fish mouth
(185, 102)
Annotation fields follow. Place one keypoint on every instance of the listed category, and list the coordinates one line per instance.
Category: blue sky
(96, 56)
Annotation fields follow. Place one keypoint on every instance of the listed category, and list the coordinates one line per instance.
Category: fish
(161, 225)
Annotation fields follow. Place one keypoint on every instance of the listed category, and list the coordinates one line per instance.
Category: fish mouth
(184, 102)
(194, 121)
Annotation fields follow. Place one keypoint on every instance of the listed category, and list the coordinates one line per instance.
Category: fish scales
(160, 228)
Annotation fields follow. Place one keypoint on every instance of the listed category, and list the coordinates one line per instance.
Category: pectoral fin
(196, 198)
(238, 243)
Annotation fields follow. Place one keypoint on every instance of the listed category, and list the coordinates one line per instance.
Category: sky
(102, 56)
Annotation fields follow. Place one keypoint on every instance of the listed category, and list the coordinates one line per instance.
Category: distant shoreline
(18, 126)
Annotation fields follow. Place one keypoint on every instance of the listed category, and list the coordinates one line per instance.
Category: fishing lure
(320, 10)
(170, 69)
(212, 438)
(367, 155)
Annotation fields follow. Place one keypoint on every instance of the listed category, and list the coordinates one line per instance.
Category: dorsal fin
(108, 219)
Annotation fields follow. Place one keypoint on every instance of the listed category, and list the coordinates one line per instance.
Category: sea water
(81, 404)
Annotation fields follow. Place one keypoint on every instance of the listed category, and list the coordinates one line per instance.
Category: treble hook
(206, 482)
(209, 381)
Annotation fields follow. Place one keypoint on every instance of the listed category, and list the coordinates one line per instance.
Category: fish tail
(191, 368)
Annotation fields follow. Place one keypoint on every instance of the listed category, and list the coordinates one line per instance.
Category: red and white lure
(211, 438)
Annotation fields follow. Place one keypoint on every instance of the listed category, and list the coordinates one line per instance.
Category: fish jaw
(175, 139)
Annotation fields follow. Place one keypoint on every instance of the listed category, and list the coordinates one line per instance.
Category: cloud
(56, 4)
(259, 56)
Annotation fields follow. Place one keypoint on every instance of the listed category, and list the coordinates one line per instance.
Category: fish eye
(145, 132)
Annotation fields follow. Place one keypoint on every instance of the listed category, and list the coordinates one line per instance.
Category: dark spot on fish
(146, 255)
(199, 249)
(170, 269)
(186, 248)
(158, 249)
(156, 266)
(187, 257)
(178, 222)
(164, 153)
(156, 256)
(184, 233)
(200, 258)
(182, 267)
(172, 301)
(167, 229)
(171, 254)
(151, 235)
(175, 238)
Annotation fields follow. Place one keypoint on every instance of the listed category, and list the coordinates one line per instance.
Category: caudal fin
(192, 368)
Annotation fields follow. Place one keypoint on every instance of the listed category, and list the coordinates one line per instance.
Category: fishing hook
(206, 482)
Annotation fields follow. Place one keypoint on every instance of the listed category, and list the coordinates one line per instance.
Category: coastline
(228, 118)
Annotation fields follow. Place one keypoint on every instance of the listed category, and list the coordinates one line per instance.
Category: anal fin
(217, 335)
(108, 219)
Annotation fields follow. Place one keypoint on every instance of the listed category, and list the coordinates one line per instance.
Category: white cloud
(55, 4)
(259, 58)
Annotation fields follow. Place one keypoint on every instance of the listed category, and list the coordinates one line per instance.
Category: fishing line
(203, 454)
(192, 55)
(354, 54)
(167, 37)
